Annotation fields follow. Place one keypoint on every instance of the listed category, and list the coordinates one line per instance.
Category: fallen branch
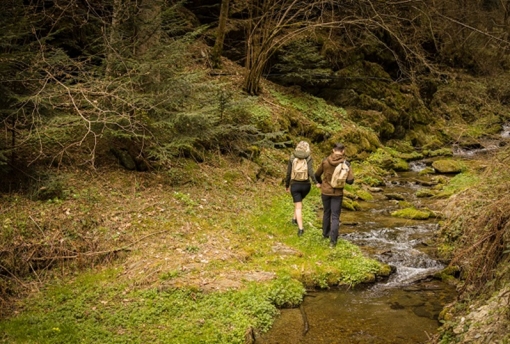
(98, 253)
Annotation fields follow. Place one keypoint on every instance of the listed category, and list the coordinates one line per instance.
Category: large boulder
(448, 166)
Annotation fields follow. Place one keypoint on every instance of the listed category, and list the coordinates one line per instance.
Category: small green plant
(185, 198)
(286, 292)
(192, 249)
(169, 275)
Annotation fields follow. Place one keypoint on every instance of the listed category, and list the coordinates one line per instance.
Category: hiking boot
(332, 244)
(294, 221)
(300, 232)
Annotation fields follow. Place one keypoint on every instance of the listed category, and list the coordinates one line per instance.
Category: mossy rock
(411, 156)
(385, 270)
(376, 120)
(405, 204)
(388, 159)
(426, 170)
(372, 181)
(426, 182)
(424, 193)
(349, 195)
(412, 213)
(440, 152)
(401, 165)
(364, 195)
(369, 278)
(401, 146)
(395, 196)
(357, 140)
(448, 166)
(350, 204)
(433, 145)
(448, 274)
(421, 136)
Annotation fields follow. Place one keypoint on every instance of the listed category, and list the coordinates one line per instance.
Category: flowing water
(403, 309)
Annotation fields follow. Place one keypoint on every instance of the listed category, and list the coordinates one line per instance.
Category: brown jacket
(325, 172)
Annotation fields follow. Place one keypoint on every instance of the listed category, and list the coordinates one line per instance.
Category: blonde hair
(303, 146)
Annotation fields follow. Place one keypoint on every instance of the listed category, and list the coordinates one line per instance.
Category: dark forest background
(81, 79)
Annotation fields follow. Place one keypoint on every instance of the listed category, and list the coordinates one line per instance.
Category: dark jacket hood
(335, 159)
(301, 154)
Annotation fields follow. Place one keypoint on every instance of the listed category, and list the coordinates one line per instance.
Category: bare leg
(298, 216)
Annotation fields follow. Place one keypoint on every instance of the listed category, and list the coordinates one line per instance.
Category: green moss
(411, 213)
(231, 176)
(411, 156)
(316, 110)
(440, 152)
(458, 183)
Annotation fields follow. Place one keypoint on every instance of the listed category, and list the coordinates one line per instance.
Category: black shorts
(299, 191)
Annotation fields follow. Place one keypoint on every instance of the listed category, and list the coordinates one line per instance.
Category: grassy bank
(476, 241)
(200, 253)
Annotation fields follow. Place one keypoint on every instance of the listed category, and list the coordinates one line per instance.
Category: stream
(402, 309)
(405, 307)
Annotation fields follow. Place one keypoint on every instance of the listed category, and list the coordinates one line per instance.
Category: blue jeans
(331, 219)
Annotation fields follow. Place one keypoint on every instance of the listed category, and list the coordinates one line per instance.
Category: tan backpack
(299, 169)
(340, 176)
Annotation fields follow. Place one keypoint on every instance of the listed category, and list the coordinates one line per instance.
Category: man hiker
(332, 190)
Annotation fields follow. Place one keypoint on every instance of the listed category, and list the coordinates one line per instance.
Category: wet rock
(395, 196)
(423, 312)
(426, 182)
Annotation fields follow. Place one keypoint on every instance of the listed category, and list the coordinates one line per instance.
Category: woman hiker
(332, 197)
(299, 173)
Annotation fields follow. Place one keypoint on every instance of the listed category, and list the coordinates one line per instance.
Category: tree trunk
(220, 35)
(148, 26)
(114, 37)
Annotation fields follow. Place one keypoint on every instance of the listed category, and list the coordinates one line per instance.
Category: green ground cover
(217, 268)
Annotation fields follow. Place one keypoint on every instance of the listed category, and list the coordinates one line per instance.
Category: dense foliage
(80, 78)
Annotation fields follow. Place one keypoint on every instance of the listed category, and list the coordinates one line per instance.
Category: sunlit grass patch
(458, 183)
(95, 308)
(314, 263)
